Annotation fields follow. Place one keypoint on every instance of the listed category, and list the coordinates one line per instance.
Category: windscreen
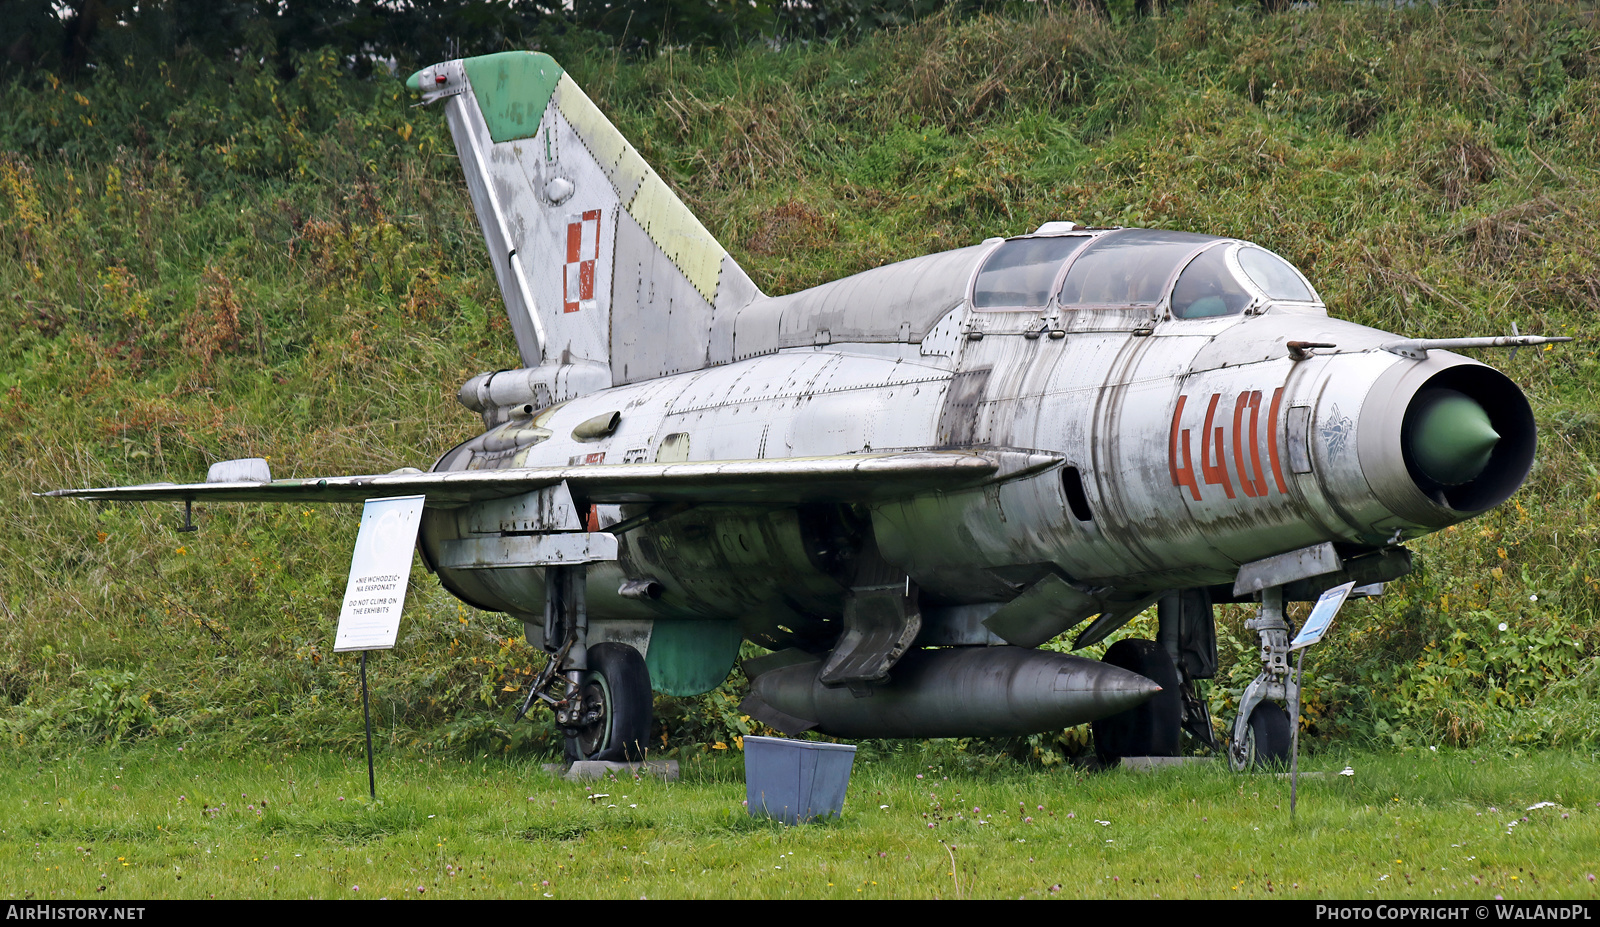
(1207, 288)
(1276, 277)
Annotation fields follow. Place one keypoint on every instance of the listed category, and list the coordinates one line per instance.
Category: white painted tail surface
(607, 276)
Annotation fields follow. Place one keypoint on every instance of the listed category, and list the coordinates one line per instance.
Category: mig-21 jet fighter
(903, 482)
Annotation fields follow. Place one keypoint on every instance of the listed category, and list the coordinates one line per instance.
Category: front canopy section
(1128, 267)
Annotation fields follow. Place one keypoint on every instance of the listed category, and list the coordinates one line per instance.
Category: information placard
(1321, 616)
(380, 569)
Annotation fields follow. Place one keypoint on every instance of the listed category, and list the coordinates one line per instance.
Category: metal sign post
(366, 715)
(380, 569)
(1312, 631)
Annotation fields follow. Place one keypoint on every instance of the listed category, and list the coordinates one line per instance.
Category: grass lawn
(154, 821)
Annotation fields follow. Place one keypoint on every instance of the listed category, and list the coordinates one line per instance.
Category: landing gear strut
(1262, 729)
(600, 694)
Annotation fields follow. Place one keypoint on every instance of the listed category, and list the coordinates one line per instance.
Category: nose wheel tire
(1153, 728)
(614, 720)
(1266, 742)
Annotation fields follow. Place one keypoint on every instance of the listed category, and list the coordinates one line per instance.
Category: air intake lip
(1468, 438)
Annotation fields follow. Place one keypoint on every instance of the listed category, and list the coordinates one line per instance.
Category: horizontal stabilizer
(847, 478)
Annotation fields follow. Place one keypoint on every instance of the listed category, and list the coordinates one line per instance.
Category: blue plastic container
(796, 781)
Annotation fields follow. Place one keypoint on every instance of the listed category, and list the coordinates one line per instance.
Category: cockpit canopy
(1189, 276)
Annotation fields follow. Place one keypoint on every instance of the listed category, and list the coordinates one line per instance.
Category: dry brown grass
(1453, 161)
(790, 226)
(958, 73)
(213, 326)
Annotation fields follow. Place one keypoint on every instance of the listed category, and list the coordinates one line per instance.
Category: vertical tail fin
(607, 276)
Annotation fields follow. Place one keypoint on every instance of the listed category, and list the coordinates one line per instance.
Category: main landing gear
(601, 694)
(1153, 728)
(609, 719)
(1186, 651)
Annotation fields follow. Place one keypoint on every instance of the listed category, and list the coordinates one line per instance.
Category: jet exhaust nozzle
(959, 692)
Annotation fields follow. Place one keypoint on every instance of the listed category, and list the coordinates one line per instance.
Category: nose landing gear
(1262, 729)
(1266, 740)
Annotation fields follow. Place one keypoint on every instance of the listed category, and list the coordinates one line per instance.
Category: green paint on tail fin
(513, 89)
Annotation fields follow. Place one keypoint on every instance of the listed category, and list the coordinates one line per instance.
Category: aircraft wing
(846, 478)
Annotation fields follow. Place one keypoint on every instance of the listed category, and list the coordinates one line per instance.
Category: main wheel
(1266, 740)
(614, 723)
(1153, 728)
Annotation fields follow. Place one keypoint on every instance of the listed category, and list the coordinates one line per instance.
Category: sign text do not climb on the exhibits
(380, 569)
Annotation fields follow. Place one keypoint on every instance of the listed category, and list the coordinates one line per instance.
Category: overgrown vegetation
(204, 260)
(919, 822)
(69, 36)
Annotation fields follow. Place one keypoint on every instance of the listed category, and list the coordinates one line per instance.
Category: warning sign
(379, 572)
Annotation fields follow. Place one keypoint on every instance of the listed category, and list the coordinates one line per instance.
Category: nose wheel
(1261, 732)
(1265, 744)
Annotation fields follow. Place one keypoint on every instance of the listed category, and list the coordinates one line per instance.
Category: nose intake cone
(1450, 437)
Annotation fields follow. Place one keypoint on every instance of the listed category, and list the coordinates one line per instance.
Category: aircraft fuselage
(1186, 449)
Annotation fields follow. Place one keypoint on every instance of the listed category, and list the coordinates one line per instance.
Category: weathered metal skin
(1108, 401)
(1049, 430)
(764, 567)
